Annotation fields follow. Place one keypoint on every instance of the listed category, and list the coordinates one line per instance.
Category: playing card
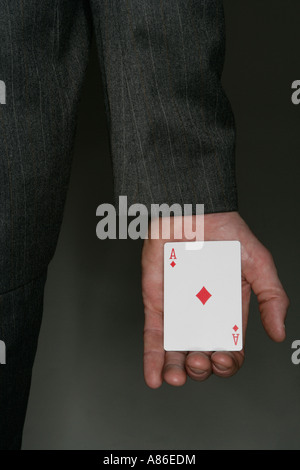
(202, 296)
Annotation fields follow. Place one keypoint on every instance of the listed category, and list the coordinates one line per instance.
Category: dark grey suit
(171, 135)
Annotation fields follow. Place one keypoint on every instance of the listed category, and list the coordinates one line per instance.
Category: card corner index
(240, 348)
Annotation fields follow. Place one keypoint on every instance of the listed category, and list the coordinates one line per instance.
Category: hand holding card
(258, 272)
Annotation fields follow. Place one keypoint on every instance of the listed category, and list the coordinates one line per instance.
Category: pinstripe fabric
(171, 126)
(43, 55)
(171, 134)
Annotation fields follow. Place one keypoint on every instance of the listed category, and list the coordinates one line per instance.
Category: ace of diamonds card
(202, 296)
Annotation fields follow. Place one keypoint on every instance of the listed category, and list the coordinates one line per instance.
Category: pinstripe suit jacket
(172, 130)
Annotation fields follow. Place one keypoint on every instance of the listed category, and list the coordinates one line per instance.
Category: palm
(258, 274)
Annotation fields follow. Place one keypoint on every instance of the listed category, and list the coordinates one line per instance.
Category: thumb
(273, 302)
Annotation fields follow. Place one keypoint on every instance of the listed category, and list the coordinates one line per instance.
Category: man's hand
(258, 273)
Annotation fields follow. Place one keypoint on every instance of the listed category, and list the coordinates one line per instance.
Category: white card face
(202, 296)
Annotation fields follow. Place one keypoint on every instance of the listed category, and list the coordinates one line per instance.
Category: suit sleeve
(171, 127)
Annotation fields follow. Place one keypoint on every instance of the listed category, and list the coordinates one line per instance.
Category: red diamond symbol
(235, 328)
(203, 295)
(173, 264)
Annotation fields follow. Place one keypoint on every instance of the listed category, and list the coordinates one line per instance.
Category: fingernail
(197, 371)
(220, 366)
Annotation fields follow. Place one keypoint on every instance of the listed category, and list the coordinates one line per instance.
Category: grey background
(88, 390)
